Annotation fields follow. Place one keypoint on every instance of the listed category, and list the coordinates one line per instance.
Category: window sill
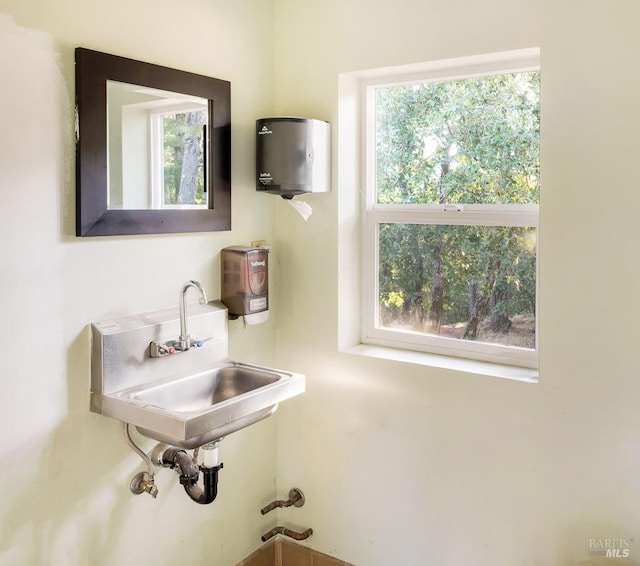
(526, 375)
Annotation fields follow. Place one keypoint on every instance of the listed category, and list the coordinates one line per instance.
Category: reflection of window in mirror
(178, 165)
(156, 148)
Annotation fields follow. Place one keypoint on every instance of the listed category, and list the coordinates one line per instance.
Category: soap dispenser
(245, 281)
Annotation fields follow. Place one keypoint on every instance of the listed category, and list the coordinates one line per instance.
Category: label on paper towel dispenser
(265, 178)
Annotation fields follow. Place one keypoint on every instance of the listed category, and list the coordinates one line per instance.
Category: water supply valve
(143, 483)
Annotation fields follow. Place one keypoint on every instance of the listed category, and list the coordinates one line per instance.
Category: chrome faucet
(184, 341)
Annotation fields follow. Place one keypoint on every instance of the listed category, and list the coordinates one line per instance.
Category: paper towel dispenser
(293, 156)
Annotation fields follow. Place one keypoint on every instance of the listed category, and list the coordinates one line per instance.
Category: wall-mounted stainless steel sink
(192, 410)
(187, 399)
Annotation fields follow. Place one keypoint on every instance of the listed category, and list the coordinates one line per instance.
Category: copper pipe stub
(288, 533)
(296, 498)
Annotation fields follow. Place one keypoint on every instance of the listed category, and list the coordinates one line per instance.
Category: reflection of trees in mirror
(184, 168)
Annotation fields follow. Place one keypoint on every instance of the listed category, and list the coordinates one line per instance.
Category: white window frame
(374, 214)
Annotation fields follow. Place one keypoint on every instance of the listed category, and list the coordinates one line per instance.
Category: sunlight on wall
(65, 480)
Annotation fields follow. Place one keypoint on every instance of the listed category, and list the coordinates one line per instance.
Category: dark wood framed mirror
(130, 177)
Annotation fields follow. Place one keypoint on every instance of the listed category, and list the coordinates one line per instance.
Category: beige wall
(64, 481)
(421, 466)
(400, 465)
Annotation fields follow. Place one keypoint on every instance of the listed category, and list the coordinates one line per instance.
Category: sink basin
(192, 410)
(201, 391)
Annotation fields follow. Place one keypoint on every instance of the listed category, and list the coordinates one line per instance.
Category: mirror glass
(153, 148)
(157, 144)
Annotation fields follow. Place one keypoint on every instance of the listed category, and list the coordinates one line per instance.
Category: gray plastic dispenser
(293, 156)
(245, 280)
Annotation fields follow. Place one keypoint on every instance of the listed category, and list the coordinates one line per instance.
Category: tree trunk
(190, 161)
(482, 302)
(473, 296)
(417, 311)
(500, 322)
(437, 290)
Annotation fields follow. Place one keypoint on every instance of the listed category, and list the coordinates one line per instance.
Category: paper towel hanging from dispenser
(293, 156)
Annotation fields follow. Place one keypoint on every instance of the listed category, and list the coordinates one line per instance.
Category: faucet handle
(158, 350)
(200, 342)
(197, 342)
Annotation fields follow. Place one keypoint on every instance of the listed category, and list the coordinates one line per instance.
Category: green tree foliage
(183, 158)
(471, 141)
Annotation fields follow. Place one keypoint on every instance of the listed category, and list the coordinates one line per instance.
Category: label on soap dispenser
(257, 304)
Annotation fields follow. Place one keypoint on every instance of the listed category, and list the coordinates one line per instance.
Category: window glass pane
(465, 282)
(473, 141)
